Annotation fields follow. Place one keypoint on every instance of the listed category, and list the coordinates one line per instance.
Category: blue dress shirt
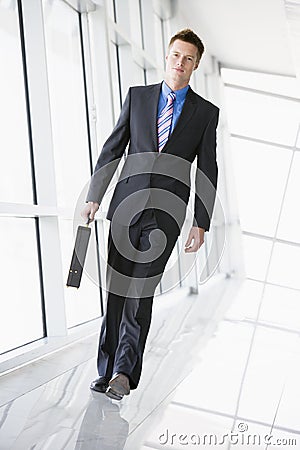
(178, 103)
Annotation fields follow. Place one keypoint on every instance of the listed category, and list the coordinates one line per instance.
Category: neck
(174, 85)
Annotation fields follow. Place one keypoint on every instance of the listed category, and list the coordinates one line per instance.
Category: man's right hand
(89, 211)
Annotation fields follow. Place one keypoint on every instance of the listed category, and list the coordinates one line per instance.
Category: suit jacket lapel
(151, 114)
(152, 104)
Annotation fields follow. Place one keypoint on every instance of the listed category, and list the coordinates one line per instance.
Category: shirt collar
(180, 94)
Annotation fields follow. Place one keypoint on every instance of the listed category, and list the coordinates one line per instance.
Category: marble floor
(221, 370)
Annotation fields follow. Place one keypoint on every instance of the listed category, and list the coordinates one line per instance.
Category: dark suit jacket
(164, 176)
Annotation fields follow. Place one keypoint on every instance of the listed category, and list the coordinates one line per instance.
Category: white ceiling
(243, 34)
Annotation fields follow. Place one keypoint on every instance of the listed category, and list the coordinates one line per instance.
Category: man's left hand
(195, 240)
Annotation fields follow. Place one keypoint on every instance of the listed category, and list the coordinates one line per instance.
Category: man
(167, 126)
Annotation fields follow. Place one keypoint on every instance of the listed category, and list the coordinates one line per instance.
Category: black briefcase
(79, 254)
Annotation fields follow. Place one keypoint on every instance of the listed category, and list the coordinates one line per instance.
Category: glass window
(147, 20)
(269, 355)
(122, 14)
(245, 305)
(276, 84)
(152, 32)
(131, 73)
(20, 311)
(281, 307)
(67, 100)
(260, 172)
(289, 225)
(284, 269)
(160, 40)
(116, 79)
(257, 256)
(152, 76)
(110, 8)
(262, 116)
(15, 168)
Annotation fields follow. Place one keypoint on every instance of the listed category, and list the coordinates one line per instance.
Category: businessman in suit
(167, 127)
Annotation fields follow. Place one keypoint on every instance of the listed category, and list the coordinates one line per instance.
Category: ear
(196, 65)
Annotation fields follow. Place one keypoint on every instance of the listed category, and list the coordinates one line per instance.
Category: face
(181, 62)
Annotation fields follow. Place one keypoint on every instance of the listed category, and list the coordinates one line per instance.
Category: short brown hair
(188, 35)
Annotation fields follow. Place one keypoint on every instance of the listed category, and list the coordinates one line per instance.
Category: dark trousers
(135, 267)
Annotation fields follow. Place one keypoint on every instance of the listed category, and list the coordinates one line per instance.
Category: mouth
(178, 69)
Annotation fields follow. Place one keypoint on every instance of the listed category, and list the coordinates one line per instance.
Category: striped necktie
(164, 121)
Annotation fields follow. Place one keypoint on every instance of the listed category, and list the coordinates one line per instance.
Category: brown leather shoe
(118, 386)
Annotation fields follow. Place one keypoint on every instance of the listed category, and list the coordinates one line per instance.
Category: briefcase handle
(88, 221)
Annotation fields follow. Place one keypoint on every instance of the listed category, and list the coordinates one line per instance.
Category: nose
(180, 61)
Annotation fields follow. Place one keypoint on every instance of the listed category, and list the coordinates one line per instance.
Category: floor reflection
(210, 364)
(102, 426)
